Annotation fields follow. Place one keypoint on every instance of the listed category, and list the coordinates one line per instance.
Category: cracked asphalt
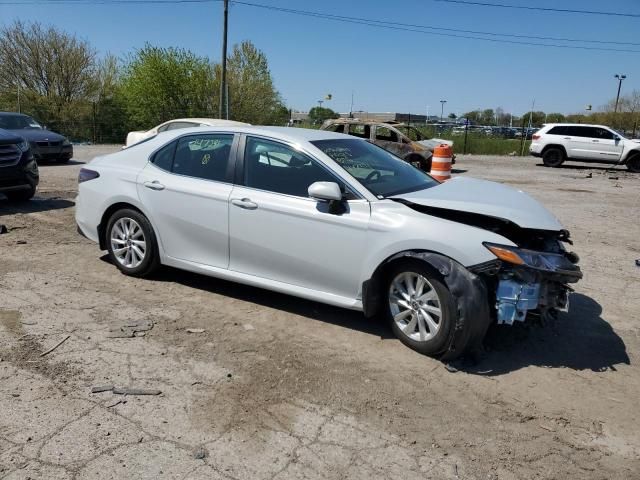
(275, 387)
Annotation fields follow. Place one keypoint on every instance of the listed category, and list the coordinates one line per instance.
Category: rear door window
(385, 134)
(560, 130)
(360, 130)
(203, 156)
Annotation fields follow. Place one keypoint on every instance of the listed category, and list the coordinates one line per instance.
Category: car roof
(574, 125)
(13, 114)
(213, 121)
(291, 134)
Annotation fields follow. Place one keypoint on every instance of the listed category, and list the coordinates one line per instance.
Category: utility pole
(224, 110)
(19, 111)
(620, 79)
(442, 102)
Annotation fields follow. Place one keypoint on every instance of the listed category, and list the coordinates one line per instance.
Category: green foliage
(253, 97)
(318, 115)
(159, 84)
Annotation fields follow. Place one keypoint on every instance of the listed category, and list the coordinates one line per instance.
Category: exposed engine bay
(530, 279)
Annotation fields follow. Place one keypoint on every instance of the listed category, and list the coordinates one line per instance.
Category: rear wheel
(63, 160)
(553, 157)
(420, 308)
(132, 243)
(633, 163)
(21, 195)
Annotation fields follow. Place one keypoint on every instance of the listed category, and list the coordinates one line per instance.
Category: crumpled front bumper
(542, 289)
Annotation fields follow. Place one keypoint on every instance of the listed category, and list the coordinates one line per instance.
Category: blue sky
(388, 70)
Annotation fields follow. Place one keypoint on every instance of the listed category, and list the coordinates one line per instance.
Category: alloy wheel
(128, 243)
(415, 306)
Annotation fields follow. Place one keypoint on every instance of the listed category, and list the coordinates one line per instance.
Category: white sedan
(335, 219)
(176, 124)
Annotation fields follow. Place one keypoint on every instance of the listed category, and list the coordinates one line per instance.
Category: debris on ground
(200, 453)
(638, 262)
(103, 388)
(132, 329)
(135, 391)
(195, 330)
(124, 390)
(55, 346)
(3, 229)
(248, 327)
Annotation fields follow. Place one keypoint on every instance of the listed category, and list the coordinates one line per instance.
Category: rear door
(582, 143)
(186, 189)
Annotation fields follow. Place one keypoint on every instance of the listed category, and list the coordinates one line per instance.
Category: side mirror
(616, 138)
(325, 191)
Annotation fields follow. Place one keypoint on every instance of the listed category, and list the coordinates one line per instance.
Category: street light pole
(620, 79)
(442, 102)
(224, 108)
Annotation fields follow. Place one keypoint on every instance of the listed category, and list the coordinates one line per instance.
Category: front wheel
(132, 243)
(420, 308)
(633, 163)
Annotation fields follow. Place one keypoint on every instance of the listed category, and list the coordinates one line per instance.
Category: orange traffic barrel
(441, 162)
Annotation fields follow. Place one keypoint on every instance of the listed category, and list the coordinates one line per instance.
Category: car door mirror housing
(325, 191)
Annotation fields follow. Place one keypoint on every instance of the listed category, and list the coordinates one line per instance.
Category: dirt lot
(276, 387)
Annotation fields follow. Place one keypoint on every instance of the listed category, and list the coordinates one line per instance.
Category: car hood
(482, 197)
(9, 138)
(435, 142)
(35, 135)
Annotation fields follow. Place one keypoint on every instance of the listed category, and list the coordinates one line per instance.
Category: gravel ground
(277, 387)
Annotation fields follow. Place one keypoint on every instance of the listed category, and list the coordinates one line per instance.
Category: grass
(482, 145)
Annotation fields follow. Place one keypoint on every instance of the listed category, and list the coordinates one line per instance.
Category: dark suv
(18, 169)
(45, 144)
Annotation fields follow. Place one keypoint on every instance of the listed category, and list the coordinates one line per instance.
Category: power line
(424, 29)
(429, 27)
(544, 9)
(420, 29)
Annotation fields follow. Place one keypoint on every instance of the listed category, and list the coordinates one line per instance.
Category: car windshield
(382, 173)
(18, 122)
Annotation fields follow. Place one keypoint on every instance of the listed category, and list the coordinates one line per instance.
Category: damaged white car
(335, 219)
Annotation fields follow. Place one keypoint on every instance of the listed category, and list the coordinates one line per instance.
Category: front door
(277, 232)
(186, 190)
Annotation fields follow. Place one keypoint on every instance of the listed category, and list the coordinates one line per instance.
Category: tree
(320, 114)
(253, 97)
(555, 118)
(452, 116)
(537, 119)
(159, 84)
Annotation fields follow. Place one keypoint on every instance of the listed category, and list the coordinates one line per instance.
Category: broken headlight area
(527, 281)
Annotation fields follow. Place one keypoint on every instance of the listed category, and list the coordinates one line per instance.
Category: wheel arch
(469, 291)
(554, 145)
(113, 208)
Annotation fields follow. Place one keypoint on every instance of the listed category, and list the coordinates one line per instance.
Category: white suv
(559, 142)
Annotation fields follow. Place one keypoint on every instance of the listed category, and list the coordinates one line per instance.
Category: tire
(63, 160)
(633, 163)
(132, 243)
(553, 157)
(431, 334)
(21, 195)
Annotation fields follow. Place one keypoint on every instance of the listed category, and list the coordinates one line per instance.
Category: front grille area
(46, 143)
(9, 155)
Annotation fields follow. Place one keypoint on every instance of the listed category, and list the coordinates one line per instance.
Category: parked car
(334, 219)
(18, 169)
(176, 124)
(557, 143)
(402, 140)
(44, 144)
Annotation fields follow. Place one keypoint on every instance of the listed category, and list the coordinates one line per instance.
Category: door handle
(567, 138)
(245, 203)
(595, 141)
(155, 185)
